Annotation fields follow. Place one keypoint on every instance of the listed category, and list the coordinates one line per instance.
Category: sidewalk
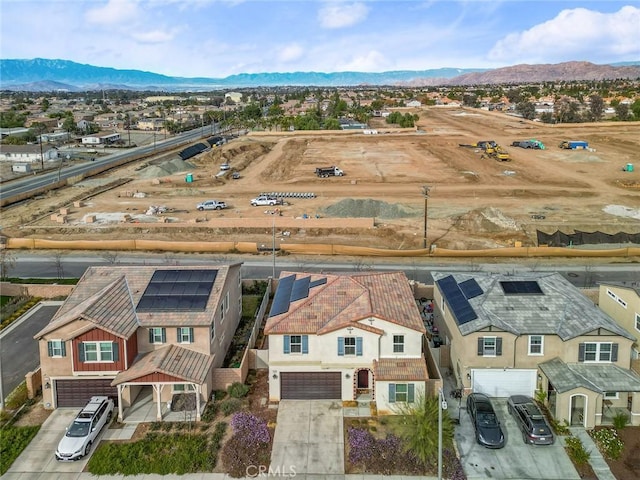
(597, 462)
(201, 476)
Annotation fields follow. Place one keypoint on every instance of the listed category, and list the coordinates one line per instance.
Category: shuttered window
(296, 344)
(402, 392)
(490, 346)
(157, 335)
(595, 352)
(349, 346)
(57, 348)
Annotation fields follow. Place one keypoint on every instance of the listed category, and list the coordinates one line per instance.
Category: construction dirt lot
(474, 202)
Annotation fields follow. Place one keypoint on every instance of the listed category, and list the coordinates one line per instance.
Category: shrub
(218, 395)
(18, 397)
(230, 406)
(608, 442)
(620, 420)
(578, 454)
(210, 412)
(248, 447)
(238, 390)
(561, 428)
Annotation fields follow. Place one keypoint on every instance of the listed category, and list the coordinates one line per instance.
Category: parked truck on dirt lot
(266, 200)
(574, 144)
(329, 172)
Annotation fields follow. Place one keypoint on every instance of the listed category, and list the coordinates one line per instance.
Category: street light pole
(442, 405)
(425, 193)
(273, 248)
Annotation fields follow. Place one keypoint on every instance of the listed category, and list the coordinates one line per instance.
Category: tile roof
(597, 377)
(346, 299)
(171, 360)
(110, 309)
(400, 369)
(561, 309)
(108, 296)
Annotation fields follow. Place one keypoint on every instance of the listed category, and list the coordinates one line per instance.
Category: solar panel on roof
(470, 288)
(521, 287)
(282, 298)
(172, 290)
(300, 289)
(460, 306)
(320, 281)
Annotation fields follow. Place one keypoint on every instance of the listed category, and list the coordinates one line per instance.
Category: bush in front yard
(238, 390)
(386, 456)
(230, 405)
(248, 447)
(577, 452)
(608, 442)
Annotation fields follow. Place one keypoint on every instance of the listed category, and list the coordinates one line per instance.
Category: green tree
(331, 124)
(420, 427)
(44, 105)
(527, 110)
(596, 107)
(69, 125)
(635, 108)
(622, 112)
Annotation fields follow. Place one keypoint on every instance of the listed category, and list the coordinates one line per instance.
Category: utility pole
(425, 193)
(41, 154)
(273, 247)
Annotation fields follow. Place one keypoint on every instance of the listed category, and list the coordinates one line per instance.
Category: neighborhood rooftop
(537, 303)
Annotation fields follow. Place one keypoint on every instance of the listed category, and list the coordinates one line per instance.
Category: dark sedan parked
(485, 422)
(534, 427)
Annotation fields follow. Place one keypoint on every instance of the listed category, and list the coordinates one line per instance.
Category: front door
(363, 379)
(578, 408)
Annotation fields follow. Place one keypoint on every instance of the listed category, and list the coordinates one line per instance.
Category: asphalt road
(18, 349)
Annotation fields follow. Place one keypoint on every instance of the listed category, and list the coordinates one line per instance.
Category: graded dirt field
(473, 201)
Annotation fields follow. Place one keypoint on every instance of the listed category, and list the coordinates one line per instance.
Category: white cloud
(153, 36)
(114, 12)
(576, 34)
(339, 15)
(290, 53)
(371, 61)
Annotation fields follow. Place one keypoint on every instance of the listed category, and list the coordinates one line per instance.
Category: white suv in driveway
(85, 428)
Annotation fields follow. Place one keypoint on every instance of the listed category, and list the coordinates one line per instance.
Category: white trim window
(97, 351)
(56, 348)
(615, 297)
(296, 344)
(398, 344)
(349, 345)
(637, 322)
(611, 395)
(157, 335)
(598, 352)
(183, 387)
(185, 335)
(536, 345)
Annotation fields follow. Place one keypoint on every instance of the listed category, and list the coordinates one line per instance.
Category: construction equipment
(497, 152)
(574, 144)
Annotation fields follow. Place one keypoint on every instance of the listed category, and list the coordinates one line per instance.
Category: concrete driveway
(516, 459)
(309, 438)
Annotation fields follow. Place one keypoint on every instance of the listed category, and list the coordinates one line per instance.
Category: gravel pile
(165, 169)
(370, 208)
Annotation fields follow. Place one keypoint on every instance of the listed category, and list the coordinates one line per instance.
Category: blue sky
(217, 38)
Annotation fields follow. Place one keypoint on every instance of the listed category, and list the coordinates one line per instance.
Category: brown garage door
(310, 386)
(76, 393)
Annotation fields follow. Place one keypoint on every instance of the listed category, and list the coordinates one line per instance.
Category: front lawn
(13, 441)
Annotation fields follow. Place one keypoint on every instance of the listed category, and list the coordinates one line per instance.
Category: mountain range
(63, 75)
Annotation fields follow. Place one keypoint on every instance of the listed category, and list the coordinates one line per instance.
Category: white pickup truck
(265, 200)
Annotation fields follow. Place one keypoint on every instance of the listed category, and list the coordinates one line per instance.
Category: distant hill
(53, 75)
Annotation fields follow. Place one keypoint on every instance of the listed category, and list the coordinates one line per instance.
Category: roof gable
(336, 301)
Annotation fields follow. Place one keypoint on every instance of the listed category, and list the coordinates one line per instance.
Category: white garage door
(503, 383)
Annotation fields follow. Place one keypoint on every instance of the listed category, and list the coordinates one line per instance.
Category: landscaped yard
(627, 466)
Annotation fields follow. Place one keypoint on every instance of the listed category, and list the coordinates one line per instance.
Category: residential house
(139, 331)
(621, 301)
(346, 337)
(28, 153)
(518, 334)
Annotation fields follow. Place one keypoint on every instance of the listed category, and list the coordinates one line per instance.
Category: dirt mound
(165, 169)
(370, 208)
(486, 220)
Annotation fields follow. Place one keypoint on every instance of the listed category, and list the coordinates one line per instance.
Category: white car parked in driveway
(85, 428)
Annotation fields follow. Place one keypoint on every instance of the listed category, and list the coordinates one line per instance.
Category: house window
(157, 335)
(98, 352)
(617, 298)
(489, 346)
(213, 331)
(536, 344)
(183, 387)
(398, 344)
(349, 345)
(185, 335)
(57, 348)
(401, 392)
(638, 321)
(610, 395)
(296, 344)
(598, 352)
(222, 310)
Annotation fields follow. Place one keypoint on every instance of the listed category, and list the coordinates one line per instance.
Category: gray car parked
(535, 429)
